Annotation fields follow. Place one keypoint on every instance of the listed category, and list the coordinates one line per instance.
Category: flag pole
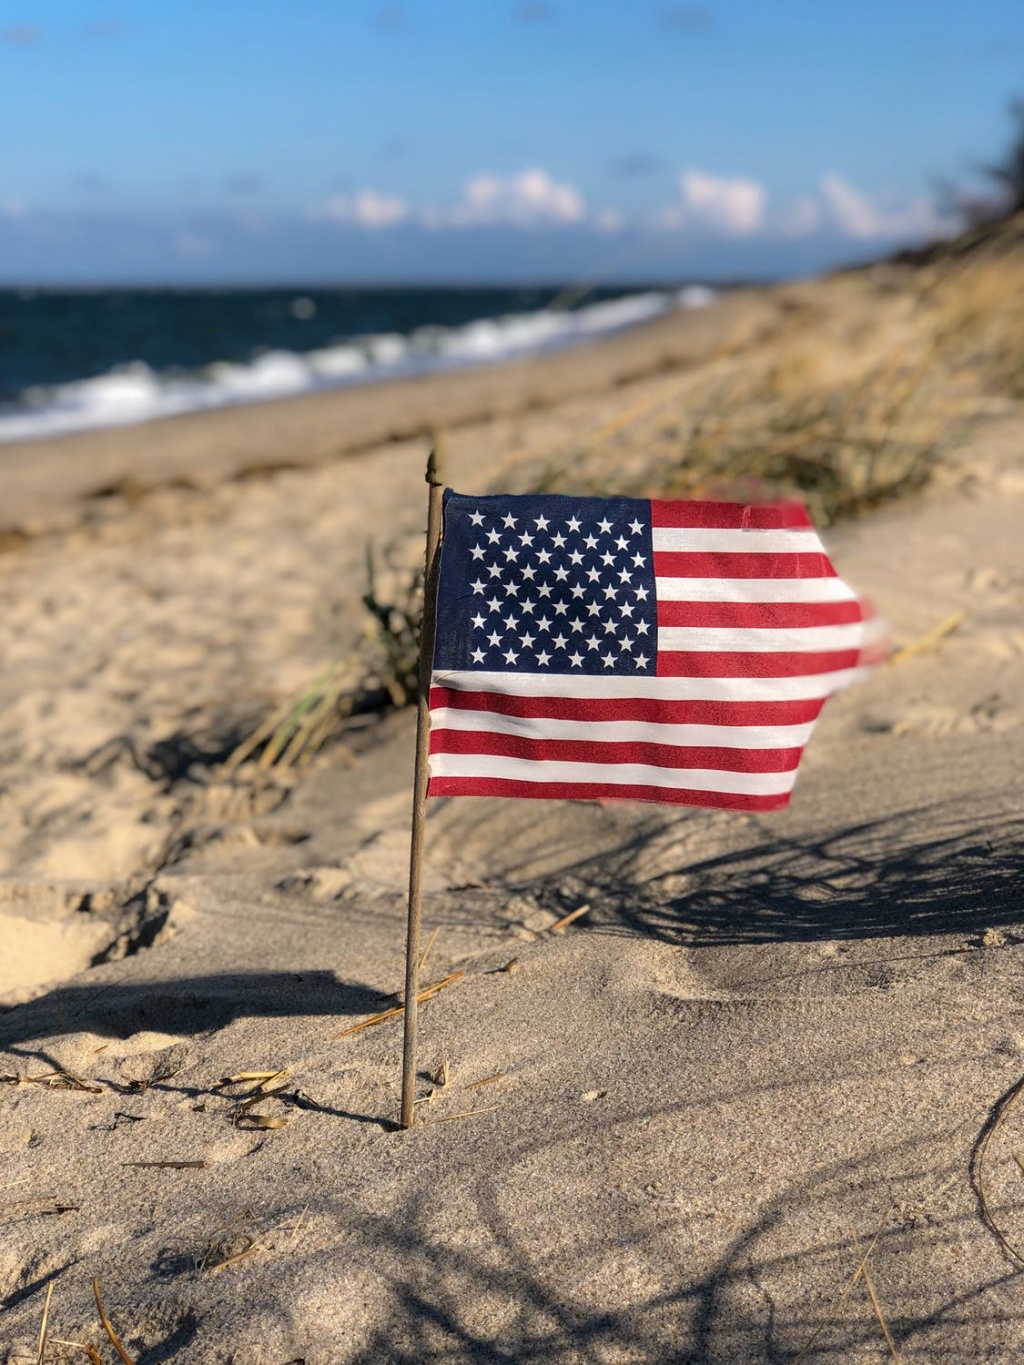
(419, 799)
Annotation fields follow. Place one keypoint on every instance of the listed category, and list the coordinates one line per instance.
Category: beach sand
(670, 1132)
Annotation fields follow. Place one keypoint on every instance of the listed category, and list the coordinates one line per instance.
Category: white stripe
(754, 590)
(805, 688)
(624, 731)
(779, 639)
(617, 774)
(704, 539)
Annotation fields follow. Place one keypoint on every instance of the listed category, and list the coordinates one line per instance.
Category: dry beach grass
(696, 1086)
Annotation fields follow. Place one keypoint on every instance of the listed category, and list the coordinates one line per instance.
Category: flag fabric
(644, 650)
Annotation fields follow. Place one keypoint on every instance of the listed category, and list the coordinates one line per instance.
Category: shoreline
(45, 478)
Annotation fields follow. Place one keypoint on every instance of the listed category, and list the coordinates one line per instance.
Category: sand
(771, 1044)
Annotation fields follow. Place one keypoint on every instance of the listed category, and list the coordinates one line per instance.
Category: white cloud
(733, 206)
(531, 197)
(858, 215)
(366, 208)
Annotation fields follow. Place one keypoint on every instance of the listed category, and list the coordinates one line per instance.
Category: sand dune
(772, 1044)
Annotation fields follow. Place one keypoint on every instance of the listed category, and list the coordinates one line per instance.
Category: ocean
(71, 360)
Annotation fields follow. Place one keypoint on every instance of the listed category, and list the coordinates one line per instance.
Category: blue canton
(547, 584)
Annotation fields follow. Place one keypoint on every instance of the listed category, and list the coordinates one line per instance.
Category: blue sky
(486, 139)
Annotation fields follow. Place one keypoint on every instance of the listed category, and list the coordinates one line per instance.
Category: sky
(487, 140)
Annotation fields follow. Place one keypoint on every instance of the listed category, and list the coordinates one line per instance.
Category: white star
(526, 538)
(560, 608)
(526, 640)
(639, 561)
(577, 591)
(609, 627)
(558, 540)
(543, 623)
(544, 556)
(560, 641)
(627, 643)
(511, 589)
(494, 638)
(609, 661)
(577, 624)
(541, 523)
(527, 606)
(510, 656)
(476, 518)
(593, 575)
(478, 621)
(511, 556)
(604, 525)
(529, 571)
(544, 589)
(606, 558)
(635, 527)
(576, 660)
(591, 542)
(593, 642)
(511, 622)
(561, 573)
(625, 576)
(574, 558)
(641, 593)
(494, 570)
(641, 627)
(478, 586)
(493, 604)
(573, 524)
(477, 551)
(626, 609)
(508, 520)
(493, 537)
(641, 661)
(478, 656)
(610, 593)
(622, 543)
(594, 608)
(543, 657)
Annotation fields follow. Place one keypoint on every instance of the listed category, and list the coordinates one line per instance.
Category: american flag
(645, 650)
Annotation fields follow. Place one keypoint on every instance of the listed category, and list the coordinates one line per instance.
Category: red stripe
(768, 516)
(759, 615)
(726, 564)
(714, 663)
(652, 710)
(589, 751)
(603, 791)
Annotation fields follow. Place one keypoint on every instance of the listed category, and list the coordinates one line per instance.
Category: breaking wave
(136, 392)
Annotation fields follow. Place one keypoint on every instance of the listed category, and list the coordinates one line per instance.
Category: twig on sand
(995, 1123)
(397, 1010)
(44, 1326)
(842, 1299)
(875, 1302)
(568, 919)
(450, 1118)
(487, 1080)
(929, 640)
(168, 1165)
(115, 1340)
(53, 1080)
(429, 948)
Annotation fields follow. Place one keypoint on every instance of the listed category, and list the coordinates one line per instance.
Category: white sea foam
(136, 393)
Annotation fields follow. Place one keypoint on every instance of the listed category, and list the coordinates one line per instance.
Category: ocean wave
(134, 392)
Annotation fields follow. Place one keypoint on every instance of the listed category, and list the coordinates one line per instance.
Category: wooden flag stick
(419, 798)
